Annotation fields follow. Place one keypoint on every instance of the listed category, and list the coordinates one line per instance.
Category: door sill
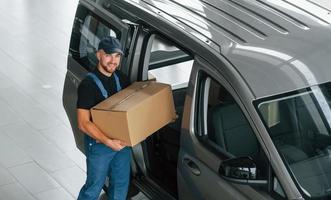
(151, 189)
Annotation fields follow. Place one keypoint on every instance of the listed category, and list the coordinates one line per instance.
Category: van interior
(227, 125)
(171, 65)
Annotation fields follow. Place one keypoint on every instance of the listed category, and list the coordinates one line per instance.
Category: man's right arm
(88, 127)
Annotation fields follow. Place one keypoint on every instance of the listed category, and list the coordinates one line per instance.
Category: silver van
(251, 83)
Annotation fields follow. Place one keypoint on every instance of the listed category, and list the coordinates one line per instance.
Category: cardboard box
(136, 112)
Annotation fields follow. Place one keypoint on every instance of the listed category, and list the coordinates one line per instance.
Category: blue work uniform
(101, 160)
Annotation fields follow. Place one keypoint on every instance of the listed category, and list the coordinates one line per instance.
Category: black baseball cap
(110, 45)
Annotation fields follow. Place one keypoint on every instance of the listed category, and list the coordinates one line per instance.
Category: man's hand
(114, 144)
(88, 127)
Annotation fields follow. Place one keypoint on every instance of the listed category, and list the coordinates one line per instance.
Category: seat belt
(100, 85)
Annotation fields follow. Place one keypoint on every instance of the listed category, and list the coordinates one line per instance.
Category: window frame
(200, 123)
(147, 51)
(82, 13)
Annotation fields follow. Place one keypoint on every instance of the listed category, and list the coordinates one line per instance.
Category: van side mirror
(240, 170)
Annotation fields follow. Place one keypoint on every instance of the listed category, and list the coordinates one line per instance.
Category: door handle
(192, 166)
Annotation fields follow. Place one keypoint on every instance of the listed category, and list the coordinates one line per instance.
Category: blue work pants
(101, 162)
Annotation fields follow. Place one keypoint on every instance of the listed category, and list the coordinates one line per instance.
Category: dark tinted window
(227, 126)
(87, 31)
(299, 124)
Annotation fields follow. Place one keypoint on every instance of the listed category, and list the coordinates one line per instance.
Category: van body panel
(254, 49)
(74, 76)
(270, 72)
(195, 187)
(193, 149)
(269, 43)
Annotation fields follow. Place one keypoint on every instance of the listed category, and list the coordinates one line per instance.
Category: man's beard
(110, 68)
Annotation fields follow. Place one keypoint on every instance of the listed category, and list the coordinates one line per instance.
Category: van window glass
(169, 64)
(88, 30)
(227, 126)
(302, 136)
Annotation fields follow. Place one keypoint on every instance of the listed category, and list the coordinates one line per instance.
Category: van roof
(276, 45)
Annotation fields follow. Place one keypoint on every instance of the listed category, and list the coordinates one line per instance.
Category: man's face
(109, 62)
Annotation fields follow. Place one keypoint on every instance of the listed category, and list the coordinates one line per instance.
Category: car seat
(232, 131)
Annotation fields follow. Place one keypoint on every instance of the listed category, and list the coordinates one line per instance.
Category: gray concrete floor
(38, 156)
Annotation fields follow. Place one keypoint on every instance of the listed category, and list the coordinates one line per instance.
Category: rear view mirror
(240, 170)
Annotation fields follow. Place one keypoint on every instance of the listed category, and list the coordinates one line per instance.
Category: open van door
(88, 28)
(220, 156)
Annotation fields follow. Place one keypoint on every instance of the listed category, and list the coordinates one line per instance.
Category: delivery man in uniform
(104, 156)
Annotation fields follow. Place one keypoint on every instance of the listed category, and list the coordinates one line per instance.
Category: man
(104, 156)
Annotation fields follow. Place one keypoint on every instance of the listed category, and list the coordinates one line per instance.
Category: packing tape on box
(132, 94)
